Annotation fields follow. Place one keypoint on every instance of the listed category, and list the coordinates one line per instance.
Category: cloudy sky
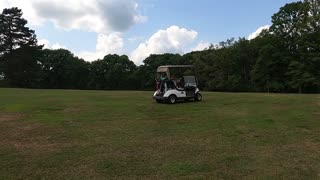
(138, 28)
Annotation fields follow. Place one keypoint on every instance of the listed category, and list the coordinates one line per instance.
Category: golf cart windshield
(190, 80)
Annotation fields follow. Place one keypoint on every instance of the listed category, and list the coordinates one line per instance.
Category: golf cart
(175, 83)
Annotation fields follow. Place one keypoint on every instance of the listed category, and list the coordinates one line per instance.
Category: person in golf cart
(170, 83)
(163, 76)
(171, 89)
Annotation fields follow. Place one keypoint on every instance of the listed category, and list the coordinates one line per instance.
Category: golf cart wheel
(198, 97)
(158, 101)
(172, 99)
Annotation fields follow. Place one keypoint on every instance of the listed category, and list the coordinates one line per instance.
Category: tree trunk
(300, 89)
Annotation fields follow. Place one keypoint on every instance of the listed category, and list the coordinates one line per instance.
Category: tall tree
(18, 49)
(112, 72)
(290, 23)
(22, 67)
(13, 31)
(314, 14)
(296, 28)
(61, 69)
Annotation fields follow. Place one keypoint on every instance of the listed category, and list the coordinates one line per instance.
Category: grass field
(58, 134)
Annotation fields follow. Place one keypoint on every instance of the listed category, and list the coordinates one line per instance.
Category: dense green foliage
(70, 134)
(284, 58)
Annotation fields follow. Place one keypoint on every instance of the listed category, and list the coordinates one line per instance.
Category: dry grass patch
(10, 117)
(71, 110)
(25, 136)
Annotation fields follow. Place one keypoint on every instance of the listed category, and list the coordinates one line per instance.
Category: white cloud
(140, 19)
(48, 45)
(44, 42)
(101, 16)
(109, 43)
(172, 40)
(135, 39)
(106, 44)
(3, 4)
(90, 56)
(201, 46)
(58, 46)
(258, 31)
(28, 11)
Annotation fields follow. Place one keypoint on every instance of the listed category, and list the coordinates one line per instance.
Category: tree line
(284, 58)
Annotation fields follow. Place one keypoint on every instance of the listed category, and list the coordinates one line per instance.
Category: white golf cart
(176, 83)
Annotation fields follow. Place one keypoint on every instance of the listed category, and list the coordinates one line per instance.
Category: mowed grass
(65, 134)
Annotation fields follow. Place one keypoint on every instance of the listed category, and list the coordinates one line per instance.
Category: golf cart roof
(167, 67)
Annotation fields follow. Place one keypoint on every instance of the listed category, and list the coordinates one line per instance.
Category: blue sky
(94, 28)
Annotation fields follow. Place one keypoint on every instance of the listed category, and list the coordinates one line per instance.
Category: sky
(92, 29)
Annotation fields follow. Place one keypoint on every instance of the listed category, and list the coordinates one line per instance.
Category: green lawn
(58, 134)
